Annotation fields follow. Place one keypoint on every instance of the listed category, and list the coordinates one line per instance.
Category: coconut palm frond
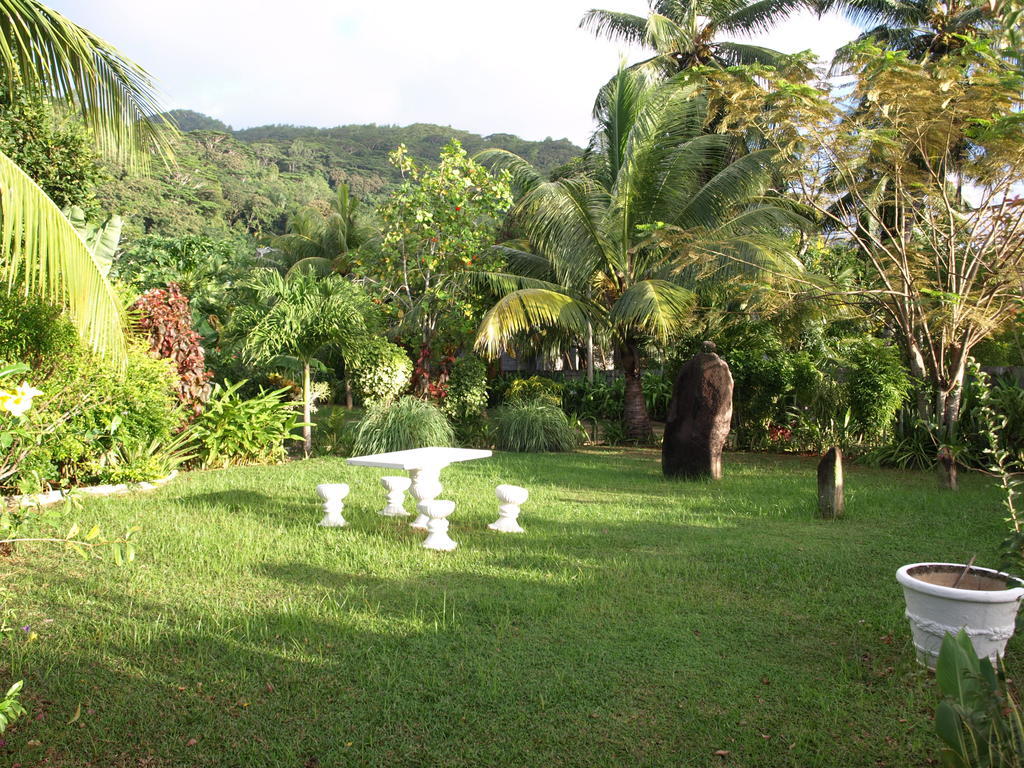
(49, 55)
(563, 220)
(746, 177)
(625, 27)
(655, 307)
(523, 262)
(526, 309)
(43, 255)
(314, 265)
(524, 176)
(760, 16)
(732, 54)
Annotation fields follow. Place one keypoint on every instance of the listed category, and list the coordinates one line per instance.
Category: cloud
(475, 64)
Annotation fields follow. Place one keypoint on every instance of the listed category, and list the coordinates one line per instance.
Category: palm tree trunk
(307, 411)
(637, 422)
(590, 352)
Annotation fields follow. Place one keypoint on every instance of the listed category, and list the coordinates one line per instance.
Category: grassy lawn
(638, 622)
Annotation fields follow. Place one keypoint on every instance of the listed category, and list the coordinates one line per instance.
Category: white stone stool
(396, 486)
(333, 495)
(437, 528)
(510, 497)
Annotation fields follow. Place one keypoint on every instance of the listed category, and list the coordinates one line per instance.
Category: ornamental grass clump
(404, 424)
(534, 427)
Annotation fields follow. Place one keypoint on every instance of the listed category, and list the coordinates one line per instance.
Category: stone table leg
(333, 495)
(437, 528)
(426, 486)
(396, 487)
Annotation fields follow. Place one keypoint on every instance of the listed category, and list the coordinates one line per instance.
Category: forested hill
(366, 147)
(247, 182)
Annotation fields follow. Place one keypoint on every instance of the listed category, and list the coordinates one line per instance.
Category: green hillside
(247, 182)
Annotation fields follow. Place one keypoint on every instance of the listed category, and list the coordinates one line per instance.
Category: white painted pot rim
(968, 595)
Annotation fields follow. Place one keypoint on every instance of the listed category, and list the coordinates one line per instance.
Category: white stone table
(424, 466)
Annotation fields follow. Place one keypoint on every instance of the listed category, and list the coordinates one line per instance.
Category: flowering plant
(14, 442)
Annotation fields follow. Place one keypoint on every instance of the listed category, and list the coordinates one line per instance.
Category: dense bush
(599, 400)
(92, 423)
(238, 430)
(534, 389)
(406, 423)
(378, 370)
(335, 433)
(877, 385)
(164, 316)
(465, 402)
(604, 400)
(530, 427)
(466, 395)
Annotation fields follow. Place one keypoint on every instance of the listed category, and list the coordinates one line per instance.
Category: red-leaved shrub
(165, 316)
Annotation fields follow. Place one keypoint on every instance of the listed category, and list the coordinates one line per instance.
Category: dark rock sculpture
(698, 418)
(831, 500)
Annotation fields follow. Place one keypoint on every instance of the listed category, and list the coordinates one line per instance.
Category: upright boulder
(698, 418)
(831, 498)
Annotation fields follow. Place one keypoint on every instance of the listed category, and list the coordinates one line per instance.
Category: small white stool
(396, 486)
(437, 527)
(333, 495)
(509, 498)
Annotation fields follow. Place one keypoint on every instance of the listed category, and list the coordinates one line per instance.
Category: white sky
(511, 67)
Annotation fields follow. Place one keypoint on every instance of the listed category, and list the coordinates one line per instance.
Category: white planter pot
(982, 605)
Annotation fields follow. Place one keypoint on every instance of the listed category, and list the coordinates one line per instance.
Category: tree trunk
(348, 394)
(307, 411)
(918, 372)
(637, 422)
(590, 352)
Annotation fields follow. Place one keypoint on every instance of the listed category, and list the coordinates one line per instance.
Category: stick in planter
(964, 571)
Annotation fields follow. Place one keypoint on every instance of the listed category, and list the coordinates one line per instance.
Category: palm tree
(682, 33)
(45, 54)
(300, 316)
(925, 29)
(596, 258)
(325, 243)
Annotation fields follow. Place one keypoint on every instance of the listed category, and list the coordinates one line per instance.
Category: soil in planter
(946, 575)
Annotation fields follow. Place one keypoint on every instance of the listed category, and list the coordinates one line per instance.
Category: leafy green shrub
(89, 413)
(335, 433)
(466, 397)
(532, 427)
(236, 430)
(877, 384)
(599, 400)
(379, 370)
(978, 719)
(534, 389)
(407, 423)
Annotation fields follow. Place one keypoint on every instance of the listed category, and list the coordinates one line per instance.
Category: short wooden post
(831, 501)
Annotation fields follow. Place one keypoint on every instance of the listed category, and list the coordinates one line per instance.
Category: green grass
(638, 622)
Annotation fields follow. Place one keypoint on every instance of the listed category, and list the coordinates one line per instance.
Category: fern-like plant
(534, 427)
(407, 423)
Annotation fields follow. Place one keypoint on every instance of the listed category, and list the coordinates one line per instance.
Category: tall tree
(436, 226)
(931, 157)
(596, 254)
(325, 243)
(683, 33)
(47, 55)
(925, 29)
(301, 316)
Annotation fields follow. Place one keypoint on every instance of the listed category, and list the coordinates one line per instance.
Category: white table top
(419, 458)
